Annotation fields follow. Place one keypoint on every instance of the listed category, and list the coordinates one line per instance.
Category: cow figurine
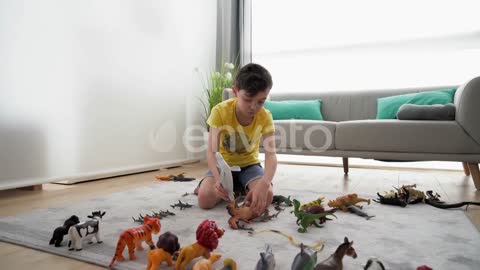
(85, 231)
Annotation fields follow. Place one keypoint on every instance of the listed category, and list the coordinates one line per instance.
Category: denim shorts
(242, 178)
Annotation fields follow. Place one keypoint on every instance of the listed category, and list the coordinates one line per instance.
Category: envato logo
(293, 137)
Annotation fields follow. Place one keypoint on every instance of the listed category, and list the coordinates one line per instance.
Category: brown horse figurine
(334, 262)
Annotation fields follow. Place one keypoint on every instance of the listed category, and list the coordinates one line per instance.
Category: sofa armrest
(467, 99)
(227, 94)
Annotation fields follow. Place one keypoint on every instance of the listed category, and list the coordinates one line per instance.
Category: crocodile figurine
(344, 201)
(160, 215)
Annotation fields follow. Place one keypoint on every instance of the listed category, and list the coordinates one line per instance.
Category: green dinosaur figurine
(305, 219)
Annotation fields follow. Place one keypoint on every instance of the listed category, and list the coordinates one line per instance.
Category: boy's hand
(258, 197)
(221, 192)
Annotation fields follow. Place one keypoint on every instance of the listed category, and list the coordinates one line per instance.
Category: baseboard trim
(125, 171)
(69, 180)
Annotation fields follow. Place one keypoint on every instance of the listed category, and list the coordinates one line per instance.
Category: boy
(236, 126)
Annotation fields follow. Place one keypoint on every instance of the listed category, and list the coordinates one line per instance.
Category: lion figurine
(208, 234)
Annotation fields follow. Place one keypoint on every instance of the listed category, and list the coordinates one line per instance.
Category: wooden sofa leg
(466, 170)
(345, 165)
(474, 171)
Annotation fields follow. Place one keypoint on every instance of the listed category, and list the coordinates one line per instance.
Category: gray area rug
(403, 238)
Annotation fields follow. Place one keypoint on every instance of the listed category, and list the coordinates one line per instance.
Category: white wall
(98, 86)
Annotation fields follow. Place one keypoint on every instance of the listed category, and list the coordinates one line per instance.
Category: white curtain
(234, 32)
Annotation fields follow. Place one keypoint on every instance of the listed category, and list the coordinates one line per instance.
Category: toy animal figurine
(133, 238)
(226, 175)
(85, 231)
(59, 232)
(424, 267)
(267, 260)
(160, 214)
(317, 202)
(335, 261)
(243, 213)
(206, 264)
(305, 259)
(176, 178)
(344, 201)
(317, 209)
(208, 234)
(374, 264)
(167, 245)
(266, 216)
(318, 247)
(406, 194)
(279, 199)
(306, 219)
(181, 205)
(354, 209)
(434, 200)
(229, 264)
(392, 198)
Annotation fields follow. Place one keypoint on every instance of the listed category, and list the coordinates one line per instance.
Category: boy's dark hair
(253, 78)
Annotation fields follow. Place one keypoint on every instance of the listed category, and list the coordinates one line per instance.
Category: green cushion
(295, 109)
(387, 107)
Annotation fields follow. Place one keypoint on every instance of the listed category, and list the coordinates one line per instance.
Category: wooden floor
(452, 186)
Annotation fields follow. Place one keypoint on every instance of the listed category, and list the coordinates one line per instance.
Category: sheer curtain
(234, 32)
(313, 45)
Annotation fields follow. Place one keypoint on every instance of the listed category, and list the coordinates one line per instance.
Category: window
(347, 45)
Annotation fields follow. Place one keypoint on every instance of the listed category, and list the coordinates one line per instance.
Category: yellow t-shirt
(239, 144)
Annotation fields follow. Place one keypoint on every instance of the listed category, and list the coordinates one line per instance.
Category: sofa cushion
(426, 112)
(305, 134)
(387, 107)
(295, 109)
(404, 136)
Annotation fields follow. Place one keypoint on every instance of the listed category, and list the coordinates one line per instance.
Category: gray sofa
(349, 129)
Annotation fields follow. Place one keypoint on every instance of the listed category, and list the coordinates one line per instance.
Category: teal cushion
(387, 107)
(295, 109)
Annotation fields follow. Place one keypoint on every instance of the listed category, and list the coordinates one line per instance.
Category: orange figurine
(133, 238)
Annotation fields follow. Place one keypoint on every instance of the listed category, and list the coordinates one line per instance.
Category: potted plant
(213, 87)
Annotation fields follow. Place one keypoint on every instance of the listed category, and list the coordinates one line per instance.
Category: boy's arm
(258, 196)
(270, 157)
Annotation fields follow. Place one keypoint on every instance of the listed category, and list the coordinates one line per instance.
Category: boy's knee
(206, 201)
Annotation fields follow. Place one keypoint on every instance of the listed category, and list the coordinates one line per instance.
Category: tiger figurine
(133, 238)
